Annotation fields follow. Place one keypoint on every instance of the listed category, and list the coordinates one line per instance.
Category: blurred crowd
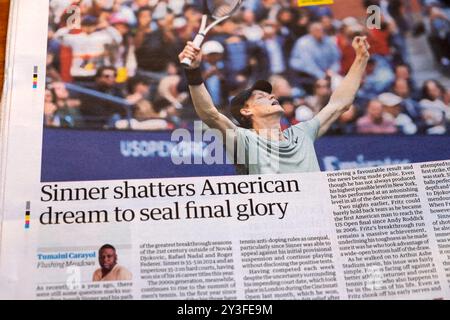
(112, 64)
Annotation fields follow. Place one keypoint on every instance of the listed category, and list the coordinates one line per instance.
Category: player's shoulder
(309, 128)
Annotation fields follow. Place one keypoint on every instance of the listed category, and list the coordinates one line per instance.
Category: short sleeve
(310, 128)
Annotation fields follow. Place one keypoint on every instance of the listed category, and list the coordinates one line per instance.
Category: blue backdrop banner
(79, 155)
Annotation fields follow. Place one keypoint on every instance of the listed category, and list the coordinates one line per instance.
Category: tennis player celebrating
(259, 145)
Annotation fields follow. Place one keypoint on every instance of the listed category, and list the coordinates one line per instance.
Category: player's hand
(361, 46)
(193, 53)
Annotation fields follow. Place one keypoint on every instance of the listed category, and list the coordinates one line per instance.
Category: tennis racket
(218, 11)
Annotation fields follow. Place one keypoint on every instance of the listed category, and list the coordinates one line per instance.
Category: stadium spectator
(237, 48)
(168, 89)
(138, 89)
(286, 19)
(52, 73)
(379, 78)
(49, 108)
(66, 111)
(433, 91)
(346, 124)
(190, 22)
(379, 39)
(302, 21)
(272, 44)
(53, 55)
(303, 113)
(289, 108)
(213, 70)
(403, 71)
(105, 82)
(322, 94)
(439, 34)
(99, 111)
(314, 57)
(447, 97)
(434, 111)
(393, 109)
(266, 9)
(280, 86)
(398, 11)
(126, 14)
(88, 48)
(349, 29)
(124, 49)
(330, 26)
(145, 117)
(375, 121)
(410, 106)
(153, 52)
(251, 30)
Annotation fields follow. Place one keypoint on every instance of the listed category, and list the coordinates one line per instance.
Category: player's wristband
(194, 76)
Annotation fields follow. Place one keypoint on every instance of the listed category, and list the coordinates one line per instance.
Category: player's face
(107, 258)
(262, 104)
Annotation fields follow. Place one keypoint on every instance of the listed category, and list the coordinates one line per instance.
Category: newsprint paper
(364, 233)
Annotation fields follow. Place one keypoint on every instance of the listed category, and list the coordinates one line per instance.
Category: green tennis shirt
(257, 155)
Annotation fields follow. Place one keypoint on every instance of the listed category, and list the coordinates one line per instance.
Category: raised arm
(201, 98)
(344, 95)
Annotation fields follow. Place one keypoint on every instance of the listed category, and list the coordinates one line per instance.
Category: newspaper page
(112, 189)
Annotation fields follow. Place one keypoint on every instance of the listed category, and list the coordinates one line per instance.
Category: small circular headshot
(109, 269)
